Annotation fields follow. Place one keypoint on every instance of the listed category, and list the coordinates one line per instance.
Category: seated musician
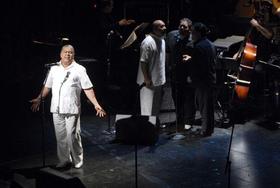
(267, 38)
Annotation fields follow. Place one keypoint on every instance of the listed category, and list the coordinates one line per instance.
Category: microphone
(51, 64)
(118, 34)
(66, 77)
(114, 32)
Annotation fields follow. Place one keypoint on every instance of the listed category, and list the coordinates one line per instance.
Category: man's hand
(186, 58)
(99, 111)
(254, 23)
(148, 83)
(35, 104)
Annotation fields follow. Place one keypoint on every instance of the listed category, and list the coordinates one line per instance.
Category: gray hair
(186, 20)
(68, 46)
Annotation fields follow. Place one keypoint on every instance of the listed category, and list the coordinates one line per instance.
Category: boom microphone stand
(43, 118)
(232, 123)
(178, 135)
(108, 74)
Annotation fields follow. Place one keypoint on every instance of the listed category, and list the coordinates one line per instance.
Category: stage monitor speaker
(50, 178)
(133, 129)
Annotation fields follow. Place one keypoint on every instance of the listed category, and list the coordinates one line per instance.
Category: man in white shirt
(66, 82)
(151, 70)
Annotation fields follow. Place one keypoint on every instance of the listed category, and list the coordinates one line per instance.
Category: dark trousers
(205, 103)
(183, 97)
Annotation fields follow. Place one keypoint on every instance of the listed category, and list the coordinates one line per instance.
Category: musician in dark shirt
(178, 42)
(108, 28)
(267, 38)
(108, 39)
(203, 76)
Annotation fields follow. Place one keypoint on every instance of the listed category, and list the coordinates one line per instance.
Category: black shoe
(63, 166)
(115, 141)
(205, 134)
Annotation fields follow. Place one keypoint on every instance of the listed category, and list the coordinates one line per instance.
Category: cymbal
(57, 42)
(133, 36)
(46, 43)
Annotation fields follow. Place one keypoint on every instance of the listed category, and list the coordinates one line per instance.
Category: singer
(66, 82)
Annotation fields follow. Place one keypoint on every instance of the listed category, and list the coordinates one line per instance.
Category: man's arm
(36, 102)
(264, 31)
(91, 96)
(147, 77)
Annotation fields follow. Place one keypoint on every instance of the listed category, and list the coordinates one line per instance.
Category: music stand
(232, 123)
(129, 41)
(178, 135)
(133, 35)
(136, 130)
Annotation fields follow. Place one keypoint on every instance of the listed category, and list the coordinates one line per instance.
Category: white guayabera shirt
(152, 52)
(66, 85)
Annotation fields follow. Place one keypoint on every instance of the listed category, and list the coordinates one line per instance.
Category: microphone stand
(178, 135)
(108, 59)
(232, 117)
(108, 74)
(43, 119)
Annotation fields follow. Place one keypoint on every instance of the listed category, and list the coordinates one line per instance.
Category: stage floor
(193, 162)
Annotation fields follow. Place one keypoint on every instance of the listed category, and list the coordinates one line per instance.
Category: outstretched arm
(264, 31)
(125, 22)
(91, 96)
(36, 102)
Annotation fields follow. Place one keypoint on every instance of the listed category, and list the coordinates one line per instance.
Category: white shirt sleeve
(85, 81)
(145, 52)
(49, 81)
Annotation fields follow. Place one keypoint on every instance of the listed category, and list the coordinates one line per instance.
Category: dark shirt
(202, 64)
(263, 44)
(176, 47)
(107, 41)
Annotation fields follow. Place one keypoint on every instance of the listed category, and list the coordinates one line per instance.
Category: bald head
(159, 28)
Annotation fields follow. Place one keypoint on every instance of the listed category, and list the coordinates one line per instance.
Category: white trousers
(150, 100)
(69, 143)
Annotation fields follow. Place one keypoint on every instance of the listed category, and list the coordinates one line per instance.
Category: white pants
(69, 144)
(150, 100)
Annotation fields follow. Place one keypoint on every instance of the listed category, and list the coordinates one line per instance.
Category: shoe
(63, 165)
(205, 134)
(115, 141)
(178, 137)
(78, 165)
(187, 127)
(163, 126)
(180, 129)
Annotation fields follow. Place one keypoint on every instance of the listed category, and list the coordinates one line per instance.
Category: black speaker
(132, 129)
(50, 178)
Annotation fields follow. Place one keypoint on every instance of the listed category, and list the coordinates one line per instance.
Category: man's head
(159, 28)
(105, 6)
(199, 30)
(185, 26)
(67, 54)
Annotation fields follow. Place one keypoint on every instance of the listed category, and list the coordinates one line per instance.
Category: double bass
(248, 54)
(276, 4)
